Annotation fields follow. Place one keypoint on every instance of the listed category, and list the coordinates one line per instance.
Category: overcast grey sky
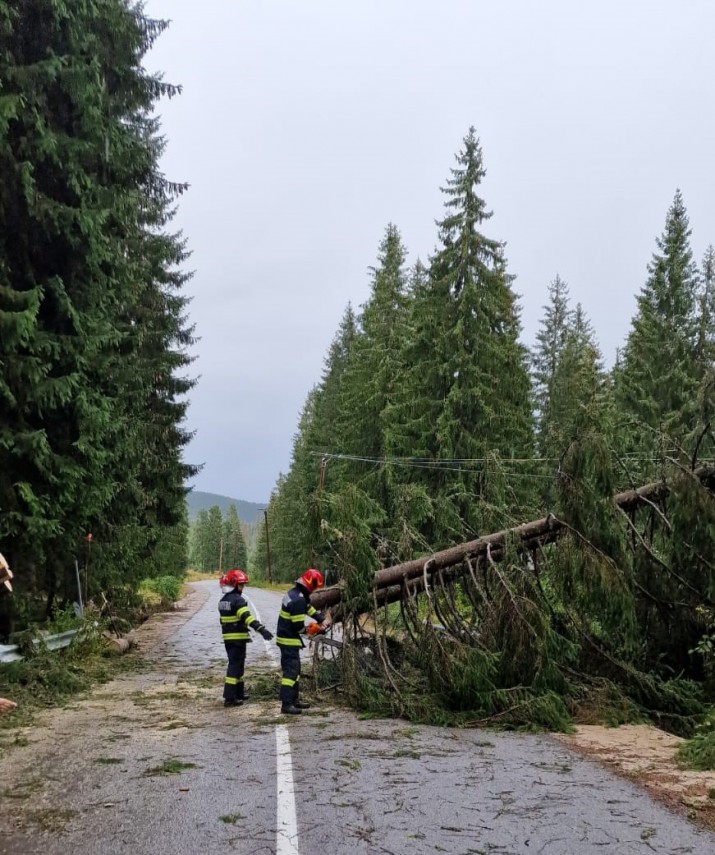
(305, 127)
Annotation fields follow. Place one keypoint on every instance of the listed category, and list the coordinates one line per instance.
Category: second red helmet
(312, 580)
(234, 577)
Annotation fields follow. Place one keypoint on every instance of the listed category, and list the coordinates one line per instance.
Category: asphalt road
(153, 763)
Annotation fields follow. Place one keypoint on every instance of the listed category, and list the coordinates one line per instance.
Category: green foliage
(93, 332)
(166, 588)
(296, 511)
(234, 543)
(698, 753)
(351, 517)
(420, 435)
(47, 679)
(207, 545)
(657, 382)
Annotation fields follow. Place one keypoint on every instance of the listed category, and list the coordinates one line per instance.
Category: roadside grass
(278, 587)
(196, 576)
(45, 680)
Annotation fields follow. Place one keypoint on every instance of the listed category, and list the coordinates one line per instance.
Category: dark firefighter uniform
(291, 627)
(236, 617)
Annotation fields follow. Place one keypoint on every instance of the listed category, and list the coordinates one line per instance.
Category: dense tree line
(432, 422)
(217, 543)
(432, 425)
(93, 327)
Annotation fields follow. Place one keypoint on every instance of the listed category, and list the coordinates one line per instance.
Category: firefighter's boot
(290, 709)
(298, 704)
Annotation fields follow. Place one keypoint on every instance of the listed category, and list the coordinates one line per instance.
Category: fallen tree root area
(646, 755)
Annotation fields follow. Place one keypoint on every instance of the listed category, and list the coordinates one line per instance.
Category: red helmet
(234, 577)
(311, 579)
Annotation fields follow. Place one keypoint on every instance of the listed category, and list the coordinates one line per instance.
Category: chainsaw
(315, 629)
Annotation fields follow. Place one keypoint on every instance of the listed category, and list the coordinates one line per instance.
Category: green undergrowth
(160, 592)
(46, 679)
(698, 753)
(262, 685)
(472, 696)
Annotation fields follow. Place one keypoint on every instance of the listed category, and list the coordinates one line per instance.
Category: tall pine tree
(466, 393)
(657, 382)
(92, 327)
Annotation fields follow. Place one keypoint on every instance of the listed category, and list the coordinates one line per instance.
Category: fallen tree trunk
(388, 582)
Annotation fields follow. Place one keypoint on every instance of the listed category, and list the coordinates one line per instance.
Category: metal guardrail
(11, 652)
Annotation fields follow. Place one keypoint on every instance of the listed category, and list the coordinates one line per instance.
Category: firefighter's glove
(266, 633)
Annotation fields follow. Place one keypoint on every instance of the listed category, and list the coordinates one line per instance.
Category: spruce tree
(550, 342)
(657, 382)
(368, 382)
(466, 393)
(366, 393)
(92, 327)
(296, 531)
(234, 541)
(569, 378)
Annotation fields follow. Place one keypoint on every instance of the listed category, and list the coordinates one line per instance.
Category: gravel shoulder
(646, 755)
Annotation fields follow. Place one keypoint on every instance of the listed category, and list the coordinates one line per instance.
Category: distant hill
(196, 501)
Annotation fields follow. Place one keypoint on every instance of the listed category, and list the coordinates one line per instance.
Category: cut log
(118, 645)
(388, 582)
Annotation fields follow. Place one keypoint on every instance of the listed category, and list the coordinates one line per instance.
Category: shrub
(163, 591)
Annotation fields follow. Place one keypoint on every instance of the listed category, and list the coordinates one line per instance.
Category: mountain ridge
(197, 500)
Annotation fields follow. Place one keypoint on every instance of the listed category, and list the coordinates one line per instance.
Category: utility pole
(220, 557)
(268, 548)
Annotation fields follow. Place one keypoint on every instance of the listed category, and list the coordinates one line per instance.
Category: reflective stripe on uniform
(286, 681)
(289, 642)
(236, 636)
(288, 616)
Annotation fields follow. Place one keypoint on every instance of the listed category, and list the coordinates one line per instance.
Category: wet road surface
(153, 763)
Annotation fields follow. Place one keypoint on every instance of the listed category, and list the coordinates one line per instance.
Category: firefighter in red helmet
(291, 625)
(236, 618)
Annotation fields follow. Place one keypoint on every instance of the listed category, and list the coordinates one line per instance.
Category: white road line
(286, 814)
(269, 644)
(287, 822)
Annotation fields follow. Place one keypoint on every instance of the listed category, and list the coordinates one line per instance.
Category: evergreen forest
(94, 334)
(217, 542)
(433, 425)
